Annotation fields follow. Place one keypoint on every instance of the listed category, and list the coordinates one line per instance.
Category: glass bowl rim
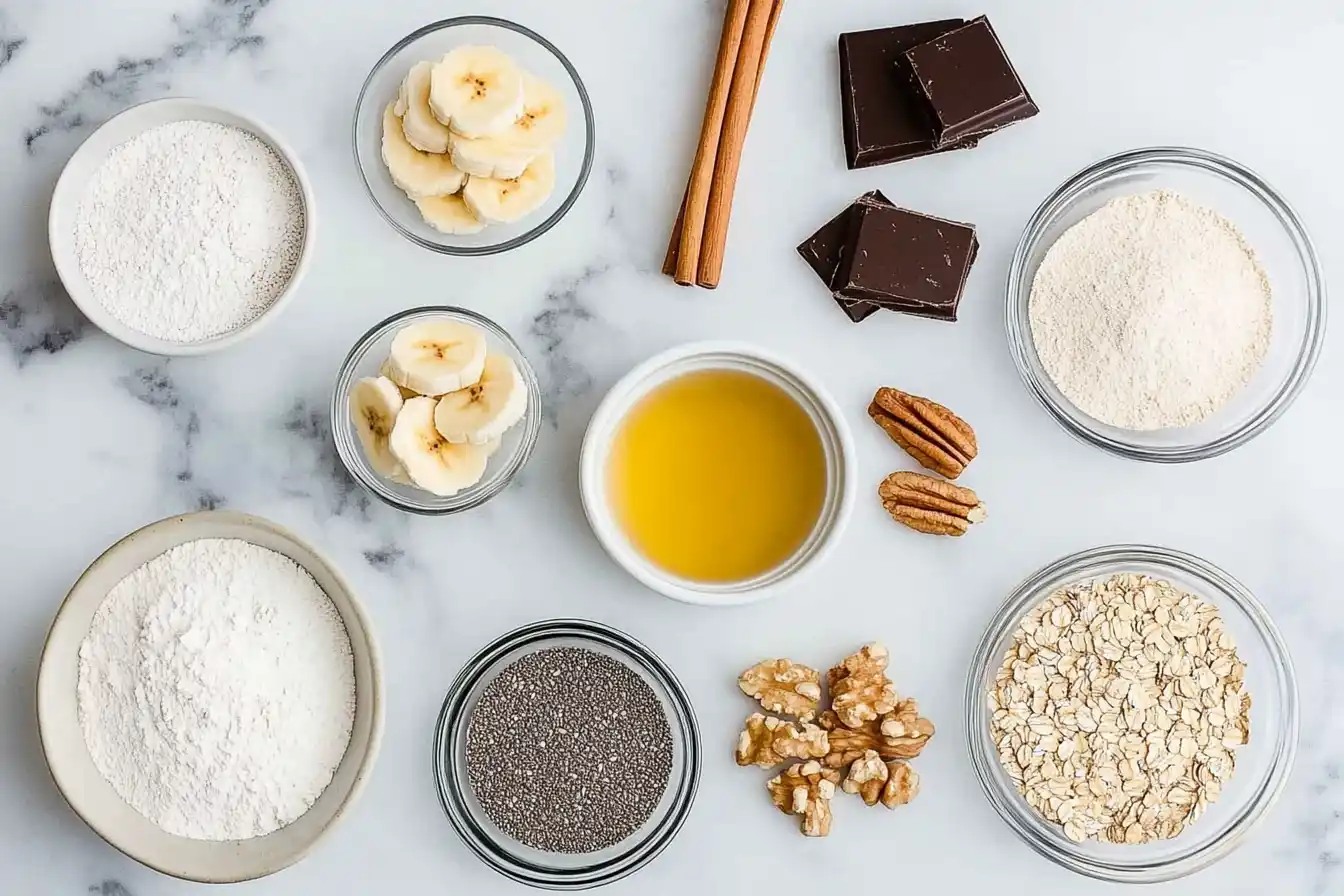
(589, 129)
(451, 726)
(1018, 292)
(352, 455)
(1009, 805)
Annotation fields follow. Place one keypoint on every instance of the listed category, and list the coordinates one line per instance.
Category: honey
(717, 476)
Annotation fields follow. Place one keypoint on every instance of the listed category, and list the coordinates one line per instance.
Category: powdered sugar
(189, 230)
(216, 690)
(1151, 312)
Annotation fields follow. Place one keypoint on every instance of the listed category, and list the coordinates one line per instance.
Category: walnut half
(867, 775)
(900, 734)
(860, 689)
(783, 686)
(902, 784)
(767, 741)
(806, 789)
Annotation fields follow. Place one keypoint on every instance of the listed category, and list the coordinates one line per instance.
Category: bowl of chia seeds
(567, 755)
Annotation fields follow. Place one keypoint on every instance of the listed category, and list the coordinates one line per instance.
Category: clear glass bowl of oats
(1262, 764)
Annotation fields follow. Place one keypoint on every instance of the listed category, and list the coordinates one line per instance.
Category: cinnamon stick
(673, 245)
(706, 152)
(737, 119)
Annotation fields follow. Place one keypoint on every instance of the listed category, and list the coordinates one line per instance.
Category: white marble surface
(100, 440)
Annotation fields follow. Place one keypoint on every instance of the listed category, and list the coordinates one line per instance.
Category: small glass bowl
(367, 357)
(536, 54)
(559, 871)
(1282, 247)
(1262, 765)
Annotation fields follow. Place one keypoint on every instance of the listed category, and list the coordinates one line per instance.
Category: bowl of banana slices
(435, 410)
(474, 135)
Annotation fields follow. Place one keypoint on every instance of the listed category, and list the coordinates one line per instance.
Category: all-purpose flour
(189, 230)
(216, 690)
(1151, 312)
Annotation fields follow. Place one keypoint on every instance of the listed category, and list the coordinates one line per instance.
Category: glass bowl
(367, 357)
(573, 154)
(1282, 247)
(558, 871)
(1263, 763)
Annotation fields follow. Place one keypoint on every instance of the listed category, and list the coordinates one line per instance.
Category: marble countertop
(99, 440)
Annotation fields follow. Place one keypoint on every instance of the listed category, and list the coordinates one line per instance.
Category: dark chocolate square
(885, 117)
(969, 83)
(905, 261)
(822, 251)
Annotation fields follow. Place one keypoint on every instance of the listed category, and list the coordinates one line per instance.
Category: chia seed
(568, 751)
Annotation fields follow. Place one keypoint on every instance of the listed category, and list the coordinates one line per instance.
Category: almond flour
(1152, 312)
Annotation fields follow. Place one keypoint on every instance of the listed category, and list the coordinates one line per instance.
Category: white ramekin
(75, 176)
(836, 440)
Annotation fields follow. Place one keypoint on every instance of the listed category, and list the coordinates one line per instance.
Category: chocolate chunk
(905, 261)
(885, 117)
(968, 82)
(822, 251)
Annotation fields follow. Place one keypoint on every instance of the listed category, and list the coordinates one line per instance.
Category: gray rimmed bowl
(92, 797)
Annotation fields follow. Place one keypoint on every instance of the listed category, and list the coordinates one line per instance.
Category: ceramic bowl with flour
(181, 228)
(210, 697)
(1165, 305)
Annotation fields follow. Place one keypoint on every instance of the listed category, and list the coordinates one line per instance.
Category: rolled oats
(1117, 708)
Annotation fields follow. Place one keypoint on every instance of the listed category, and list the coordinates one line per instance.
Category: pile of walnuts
(861, 744)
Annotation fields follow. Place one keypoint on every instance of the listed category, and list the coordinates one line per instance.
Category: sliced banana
(423, 131)
(431, 461)
(482, 412)
(386, 370)
(497, 201)
(449, 214)
(490, 156)
(476, 91)
(507, 154)
(437, 356)
(375, 402)
(417, 173)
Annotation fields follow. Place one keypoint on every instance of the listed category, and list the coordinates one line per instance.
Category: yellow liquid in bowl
(717, 476)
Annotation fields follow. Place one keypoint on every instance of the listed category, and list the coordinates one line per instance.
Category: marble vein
(310, 423)
(222, 28)
(154, 386)
(384, 558)
(566, 312)
(39, 319)
(10, 42)
(109, 888)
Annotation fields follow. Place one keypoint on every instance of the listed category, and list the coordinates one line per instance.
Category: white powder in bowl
(217, 690)
(1151, 312)
(189, 230)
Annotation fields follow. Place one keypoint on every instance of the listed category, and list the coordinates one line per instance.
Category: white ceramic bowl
(86, 160)
(836, 440)
(94, 800)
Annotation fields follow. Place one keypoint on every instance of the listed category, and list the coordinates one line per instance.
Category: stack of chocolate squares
(907, 92)
(874, 255)
(919, 89)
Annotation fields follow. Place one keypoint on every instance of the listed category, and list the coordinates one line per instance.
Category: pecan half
(930, 505)
(930, 433)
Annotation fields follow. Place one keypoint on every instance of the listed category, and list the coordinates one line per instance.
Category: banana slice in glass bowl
(435, 410)
(474, 136)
